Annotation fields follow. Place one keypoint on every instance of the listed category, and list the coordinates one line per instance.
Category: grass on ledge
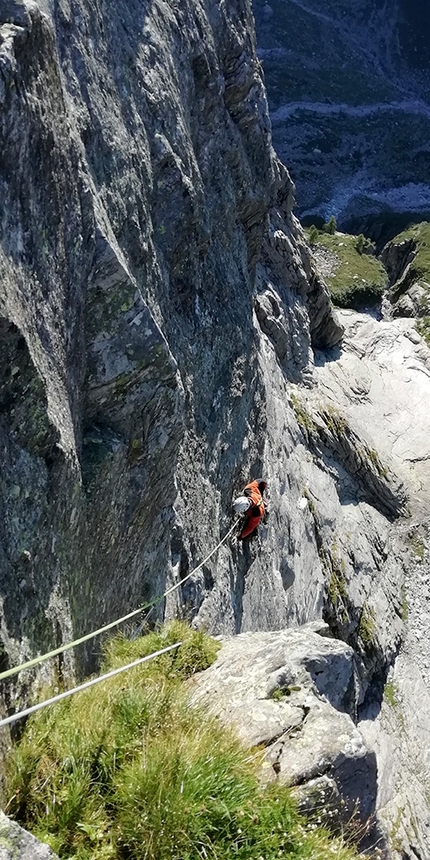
(419, 271)
(128, 770)
(358, 280)
(420, 266)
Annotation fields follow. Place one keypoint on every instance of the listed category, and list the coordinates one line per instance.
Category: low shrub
(313, 234)
(330, 226)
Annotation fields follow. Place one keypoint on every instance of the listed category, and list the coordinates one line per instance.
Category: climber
(252, 504)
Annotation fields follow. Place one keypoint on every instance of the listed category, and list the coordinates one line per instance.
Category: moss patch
(423, 328)
(417, 544)
(367, 627)
(391, 694)
(303, 418)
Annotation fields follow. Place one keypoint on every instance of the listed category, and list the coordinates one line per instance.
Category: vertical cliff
(165, 336)
(147, 242)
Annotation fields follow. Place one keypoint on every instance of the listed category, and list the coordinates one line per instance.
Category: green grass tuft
(391, 694)
(416, 542)
(423, 328)
(129, 771)
(367, 627)
(303, 418)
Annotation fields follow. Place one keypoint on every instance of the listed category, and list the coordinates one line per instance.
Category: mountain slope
(349, 100)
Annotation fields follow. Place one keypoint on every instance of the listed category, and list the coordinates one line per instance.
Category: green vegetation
(418, 272)
(391, 694)
(313, 234)
(129, 771)
(356, 279)
(396, 831)
(330, 226)
(360, 243)
(337, 586)
(372, 455)
(367, 627)
(334, 420)
(404, 608)
(363, 244)
(423, 328)
(420, 265)
(303, 417)
(282, 692)
(393, 699)
(417, 544)
(336, 590)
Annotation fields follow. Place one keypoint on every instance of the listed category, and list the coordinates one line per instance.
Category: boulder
(17, 844)
(292, 692)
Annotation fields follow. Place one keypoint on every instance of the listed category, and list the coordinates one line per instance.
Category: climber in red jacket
(252, 505)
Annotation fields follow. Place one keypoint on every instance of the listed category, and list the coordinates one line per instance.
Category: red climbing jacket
(255, 513)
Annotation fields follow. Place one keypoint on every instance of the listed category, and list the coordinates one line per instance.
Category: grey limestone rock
(17, 844)
(165, 337)
(291, 691)
(407, 293)
(138, 188)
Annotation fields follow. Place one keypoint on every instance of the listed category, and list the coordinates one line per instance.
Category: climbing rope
(84, 686)
(62, 648)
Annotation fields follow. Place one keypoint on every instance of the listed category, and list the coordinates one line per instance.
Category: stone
(288, 691)
(17, 844)
(156, 217)
(165, 337)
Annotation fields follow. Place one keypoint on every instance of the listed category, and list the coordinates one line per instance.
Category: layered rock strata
(163, 335)
(144, 214)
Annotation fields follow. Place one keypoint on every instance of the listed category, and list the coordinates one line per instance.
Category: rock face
(381, 381)
(17, 844)
(143, 214)
(294, 693)
(409, 288)
(165, 337)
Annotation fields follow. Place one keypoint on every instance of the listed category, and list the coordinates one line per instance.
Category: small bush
(330, 226)
(313, 235)
(360, 243)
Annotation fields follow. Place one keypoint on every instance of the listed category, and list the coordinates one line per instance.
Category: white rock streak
(382, 378)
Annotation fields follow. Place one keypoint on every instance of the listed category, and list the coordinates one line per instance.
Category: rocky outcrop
(381, 381)
(408, 290)
(143, 214)
(18, 844)
(165, 337)
(396, 257)
(294, 693)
